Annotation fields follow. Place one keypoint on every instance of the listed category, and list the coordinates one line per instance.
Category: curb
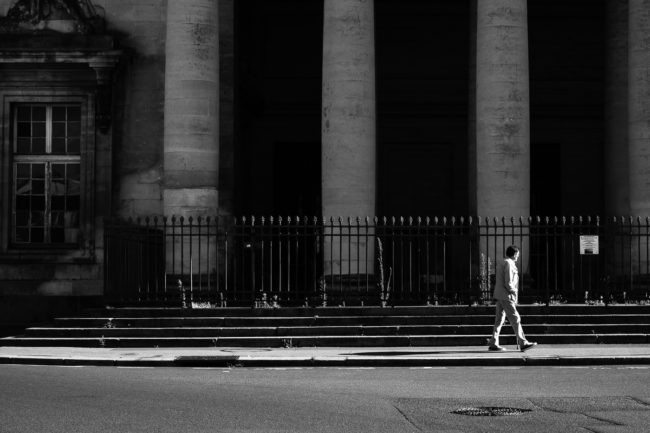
(339, 361)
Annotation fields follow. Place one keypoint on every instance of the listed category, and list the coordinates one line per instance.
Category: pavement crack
(407, 418)
(601, 419)
(639, 401)
(547, 409)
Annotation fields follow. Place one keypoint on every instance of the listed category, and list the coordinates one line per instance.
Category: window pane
(72, 203)
(74, 129)
(38, 202)
(37, 234)
(58, 202)
(24, 170)
(38, 187)
(71, 219)
(38, 219)
(73, 171)
(74, 114)
(73, 145)
(56, 235)
(38, 171)
(58, 113)
(38, 145)
(24, 129)
(57, 187)
(23, 186)
(22, 235)
(58, 129)
(38, 114)
(24, 113)
(22, 203)
(58, 145)
(38, 129)
(22, 219)
(57, 219)
(23, 145)
(58, 171)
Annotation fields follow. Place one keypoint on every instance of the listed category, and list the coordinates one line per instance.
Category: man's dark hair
(511, 250)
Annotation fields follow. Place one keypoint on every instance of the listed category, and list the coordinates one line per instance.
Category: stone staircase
(336, 326)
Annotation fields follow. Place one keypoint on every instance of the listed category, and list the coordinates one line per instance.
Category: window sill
(49, 255)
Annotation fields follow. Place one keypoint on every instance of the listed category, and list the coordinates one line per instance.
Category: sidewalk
(547, 355)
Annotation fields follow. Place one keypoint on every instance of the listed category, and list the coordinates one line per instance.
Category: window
(46, 191)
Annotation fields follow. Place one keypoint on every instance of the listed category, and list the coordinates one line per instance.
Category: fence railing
(380, 261)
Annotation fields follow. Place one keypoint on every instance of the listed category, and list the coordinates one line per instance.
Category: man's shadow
(435, 352)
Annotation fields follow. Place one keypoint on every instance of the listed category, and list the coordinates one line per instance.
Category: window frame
(48, 158)
(84, 248)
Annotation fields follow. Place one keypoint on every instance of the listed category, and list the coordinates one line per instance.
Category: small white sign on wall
(588, 245)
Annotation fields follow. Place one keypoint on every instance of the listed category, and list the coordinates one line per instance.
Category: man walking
(506, 291)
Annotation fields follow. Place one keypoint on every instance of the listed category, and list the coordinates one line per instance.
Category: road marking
(428, 368)
(501, 368)
(633, 368)
(567, 366)
(279, 368)
(69, 366)
(134, 367)
(355, 368)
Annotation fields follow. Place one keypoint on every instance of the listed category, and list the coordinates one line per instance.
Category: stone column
(616, 123)
(500, 152)
(191, 138)
(639, 126)
(639, 106)
(502, 161)
(191, 143)
(348, 125)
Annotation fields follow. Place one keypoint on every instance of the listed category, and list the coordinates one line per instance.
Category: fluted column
(617, 177)
(349, 122)
(639, 106)
(191, 143)
(501, 158)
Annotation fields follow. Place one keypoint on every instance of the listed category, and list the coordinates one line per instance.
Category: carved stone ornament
(58, 16)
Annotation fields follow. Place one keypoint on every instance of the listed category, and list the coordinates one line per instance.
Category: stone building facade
(306, 107)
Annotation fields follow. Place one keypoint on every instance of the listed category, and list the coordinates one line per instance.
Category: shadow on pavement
(393, 353)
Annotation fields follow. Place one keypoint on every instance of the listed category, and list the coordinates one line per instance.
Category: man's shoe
(495, 348)
(527, 346)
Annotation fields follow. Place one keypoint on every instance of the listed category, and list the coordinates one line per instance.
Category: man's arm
(511, 282)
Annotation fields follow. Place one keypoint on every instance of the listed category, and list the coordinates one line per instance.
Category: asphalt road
(109, 399)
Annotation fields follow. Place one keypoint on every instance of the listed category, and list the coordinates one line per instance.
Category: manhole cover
(490, 411)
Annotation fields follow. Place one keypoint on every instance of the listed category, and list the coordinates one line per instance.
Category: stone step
(157, 322)
(191, 332)
(559, 309)
(325, 341)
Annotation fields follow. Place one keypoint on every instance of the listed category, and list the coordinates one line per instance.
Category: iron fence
(381, 261)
